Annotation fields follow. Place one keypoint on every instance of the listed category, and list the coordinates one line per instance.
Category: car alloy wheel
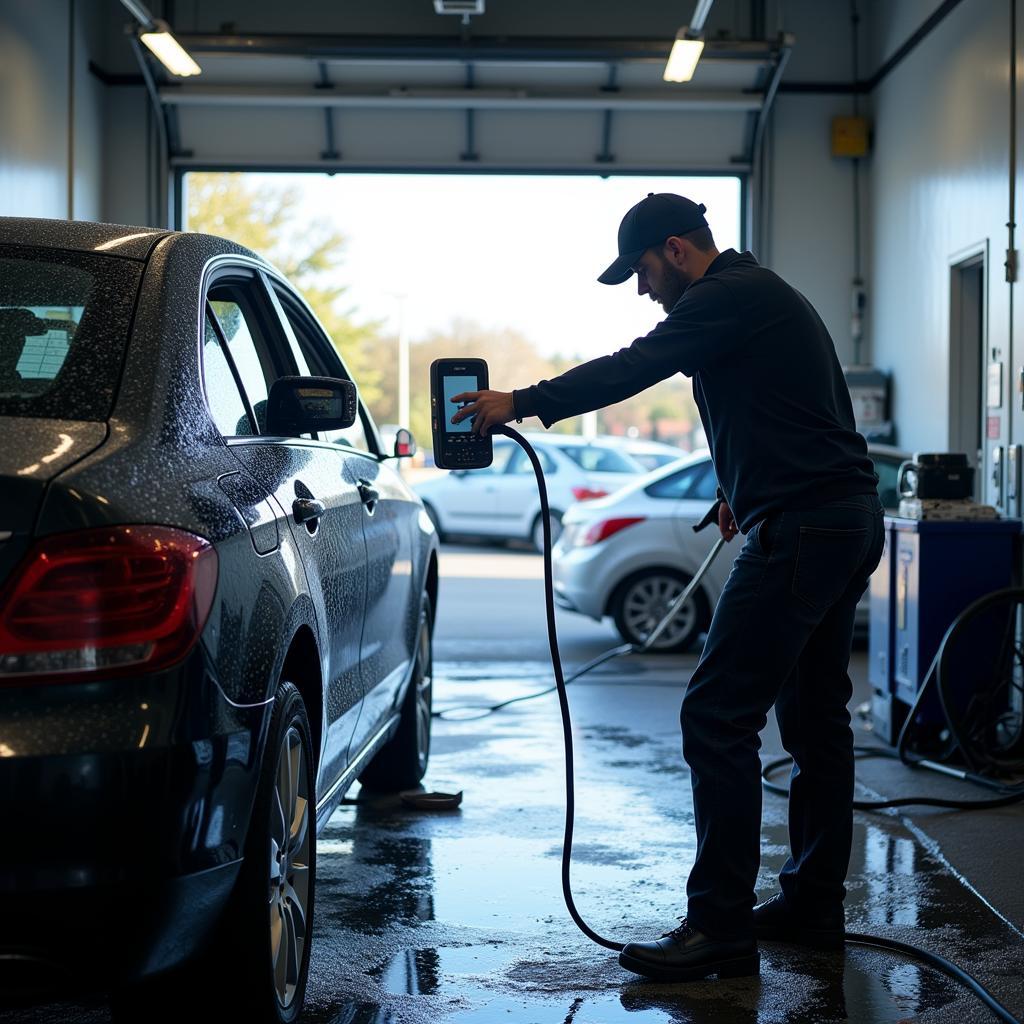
(644, 600)
(290, 839)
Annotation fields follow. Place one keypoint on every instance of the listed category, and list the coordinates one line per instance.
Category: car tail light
(606, 528)
(588, 493)
(106, 600)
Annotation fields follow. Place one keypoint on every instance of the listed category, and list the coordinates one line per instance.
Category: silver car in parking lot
(629, 555)
(501, 502)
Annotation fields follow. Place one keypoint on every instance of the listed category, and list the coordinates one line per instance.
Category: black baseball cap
(650, 222)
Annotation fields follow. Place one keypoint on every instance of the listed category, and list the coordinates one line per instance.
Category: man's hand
(491, 409)
(726, 523)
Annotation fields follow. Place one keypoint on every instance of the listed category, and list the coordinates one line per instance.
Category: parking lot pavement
(458, 916)
(491, 610)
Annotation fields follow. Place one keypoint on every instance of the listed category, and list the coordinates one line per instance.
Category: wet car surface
(215, 613)
(458, 916)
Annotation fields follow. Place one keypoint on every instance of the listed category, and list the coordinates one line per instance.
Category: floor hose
(940, 963)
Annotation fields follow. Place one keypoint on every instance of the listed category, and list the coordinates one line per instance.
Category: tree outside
(311, 254)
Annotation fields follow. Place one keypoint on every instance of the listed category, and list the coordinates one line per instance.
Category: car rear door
(389, 520)
(468, 501)
(303, 475)
(518, 502)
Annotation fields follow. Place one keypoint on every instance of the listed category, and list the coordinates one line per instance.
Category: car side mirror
(305, 405)
(405, 444)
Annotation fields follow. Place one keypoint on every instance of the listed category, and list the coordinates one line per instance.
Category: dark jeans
(781, 635)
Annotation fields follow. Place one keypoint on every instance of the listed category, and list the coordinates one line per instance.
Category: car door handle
(307, 510)
(369, 494)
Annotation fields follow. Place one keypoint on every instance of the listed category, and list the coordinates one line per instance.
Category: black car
(216, 611)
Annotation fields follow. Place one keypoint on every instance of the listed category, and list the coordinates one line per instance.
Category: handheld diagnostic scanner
(455, 444)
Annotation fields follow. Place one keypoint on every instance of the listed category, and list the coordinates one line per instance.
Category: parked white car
(502, 501)
(628, 556)
(650, 454)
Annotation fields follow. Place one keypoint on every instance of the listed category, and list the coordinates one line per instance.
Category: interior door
(321, 507)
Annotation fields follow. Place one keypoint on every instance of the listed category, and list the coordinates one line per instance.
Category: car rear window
(593, 459)
(64, 320)
(694, 482)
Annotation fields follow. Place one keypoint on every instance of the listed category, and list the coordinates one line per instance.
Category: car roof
(124, 240)
(83, 236)
(640, 444)
(567, 440)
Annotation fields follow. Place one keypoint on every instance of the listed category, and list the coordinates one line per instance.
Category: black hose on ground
(921, 955)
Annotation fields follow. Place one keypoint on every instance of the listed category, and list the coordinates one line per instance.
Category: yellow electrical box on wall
(850, 136)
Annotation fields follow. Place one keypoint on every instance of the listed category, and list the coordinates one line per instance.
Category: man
(796, 479)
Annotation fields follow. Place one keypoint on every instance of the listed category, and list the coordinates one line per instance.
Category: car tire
(402, 762)
(640, 602)
(257, 966)
(537, 530)
(433, 517)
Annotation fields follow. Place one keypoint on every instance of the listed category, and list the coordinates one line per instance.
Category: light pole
(403, 363)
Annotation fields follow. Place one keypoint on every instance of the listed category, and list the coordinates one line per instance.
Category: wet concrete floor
(457, 917)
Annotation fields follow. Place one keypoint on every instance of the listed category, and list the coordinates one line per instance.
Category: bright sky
(518, 251)
(508, 251)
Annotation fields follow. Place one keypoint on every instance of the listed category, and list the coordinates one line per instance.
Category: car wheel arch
(301, 667)
(431, 586)
(435, 517)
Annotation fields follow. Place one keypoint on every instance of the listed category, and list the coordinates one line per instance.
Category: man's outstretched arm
(699, 330)
(591, 385)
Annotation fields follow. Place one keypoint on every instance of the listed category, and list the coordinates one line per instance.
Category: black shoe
(685, 954)
(775, 921)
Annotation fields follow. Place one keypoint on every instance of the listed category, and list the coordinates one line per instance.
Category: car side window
(323, 361)
(222, 394)
(248, 349)
(595, 459)
(519, 462)
(695, 482)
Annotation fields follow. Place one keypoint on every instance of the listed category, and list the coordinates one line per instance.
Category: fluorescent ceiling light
(682, 61)
(169, 51)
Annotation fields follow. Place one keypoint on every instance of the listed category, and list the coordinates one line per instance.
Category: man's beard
(672, 285)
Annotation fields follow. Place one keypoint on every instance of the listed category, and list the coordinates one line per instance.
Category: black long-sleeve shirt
(768, 385)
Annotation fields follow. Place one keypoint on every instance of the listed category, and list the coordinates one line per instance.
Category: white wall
(38, 161)
(939, 185)
(810, 215)
(809, 237)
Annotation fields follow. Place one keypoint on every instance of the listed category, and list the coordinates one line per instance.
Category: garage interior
(876, 144)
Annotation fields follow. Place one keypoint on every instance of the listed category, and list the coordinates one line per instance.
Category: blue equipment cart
(930, 571)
